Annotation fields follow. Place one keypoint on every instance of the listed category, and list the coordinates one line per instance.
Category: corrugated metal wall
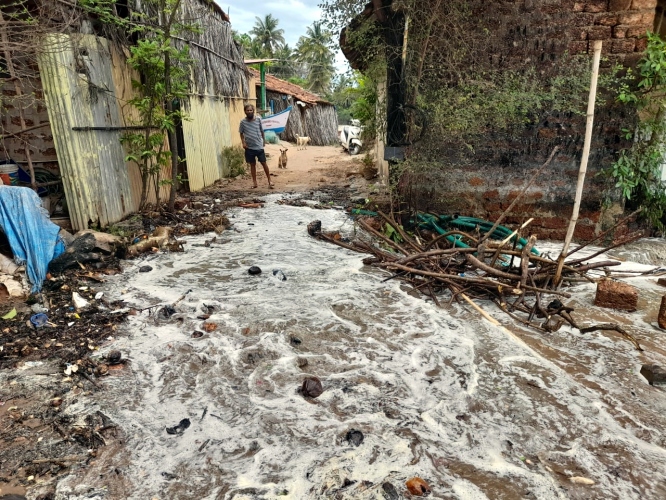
(207, 132)
(80, 87)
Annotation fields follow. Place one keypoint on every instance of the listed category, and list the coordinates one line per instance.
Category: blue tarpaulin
(32, 236)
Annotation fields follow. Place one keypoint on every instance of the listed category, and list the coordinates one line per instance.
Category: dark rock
(166, 312)
(354, 437)
(168, 476)
(254, 270)
(279, 275)
(180, 428)
(295, 340)
(555, 305)
(654, 374)
(661, 317)
(389, 492)
(302, 362)
(314, 228)
(145, 269)
(661, 281)
(197, 205)
(114, 357)
(197, 335)
(312, 387)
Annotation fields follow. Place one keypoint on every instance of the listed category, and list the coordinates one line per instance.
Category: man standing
(252, 135)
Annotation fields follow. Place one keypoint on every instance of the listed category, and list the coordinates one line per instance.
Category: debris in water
(279, 275)
(145, 269)
(254, 270)
(312, 387)
(418, 487)
(197, 334)
(209, 326)
(355, 437)
(114, 357)
(616, 295)
(581, 480)
(314, 228)
(390, 493)
(654, 374)
(167, 475)
(166, 312)
(180, 428)
(302, 362)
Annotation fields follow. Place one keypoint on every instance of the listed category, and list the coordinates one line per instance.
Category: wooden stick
(379, 235)
(405, 237)
(630, 239)
(70, 458)
(520, 195)
(583, 164)
(620, 222)
(505, 240)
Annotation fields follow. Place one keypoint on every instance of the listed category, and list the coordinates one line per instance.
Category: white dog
(302, 142)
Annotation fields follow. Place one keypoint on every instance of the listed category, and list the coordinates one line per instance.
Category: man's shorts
(252, 155)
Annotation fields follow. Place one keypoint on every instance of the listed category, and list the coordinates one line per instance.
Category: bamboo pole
(583, 162)
(19, 94)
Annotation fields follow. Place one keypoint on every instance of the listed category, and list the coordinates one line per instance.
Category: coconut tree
(314, 50)
(267, 34)
(286, 65)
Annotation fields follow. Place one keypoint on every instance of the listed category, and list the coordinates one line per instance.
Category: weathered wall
(40, 140)
(485, 183)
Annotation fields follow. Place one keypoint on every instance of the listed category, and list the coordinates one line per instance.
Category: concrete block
(616, 295)
(654, 374)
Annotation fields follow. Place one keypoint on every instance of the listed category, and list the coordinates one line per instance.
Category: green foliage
(234, 160)
(165, 77)
(314, 51)
(267, 34)
(637, 173)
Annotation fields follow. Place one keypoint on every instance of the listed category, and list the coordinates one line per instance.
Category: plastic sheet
(32, 236)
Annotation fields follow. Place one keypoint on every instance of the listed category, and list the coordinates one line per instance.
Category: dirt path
(306, 170)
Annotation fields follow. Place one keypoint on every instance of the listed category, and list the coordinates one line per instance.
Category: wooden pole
(19, 94)
(583, 162)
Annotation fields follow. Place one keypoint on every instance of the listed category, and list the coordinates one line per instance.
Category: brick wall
(41, 143)
(540, 32)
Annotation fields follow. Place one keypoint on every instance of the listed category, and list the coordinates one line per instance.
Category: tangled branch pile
(458, 265)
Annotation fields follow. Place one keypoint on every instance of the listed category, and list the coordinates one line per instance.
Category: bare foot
(254, 187)
(271, 186)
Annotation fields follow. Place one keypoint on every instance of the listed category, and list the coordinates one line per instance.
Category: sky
(294, 17)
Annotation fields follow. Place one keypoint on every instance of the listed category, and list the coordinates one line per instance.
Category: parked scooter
(350, 137)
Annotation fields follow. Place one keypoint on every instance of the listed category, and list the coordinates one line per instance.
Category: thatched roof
(282, 87)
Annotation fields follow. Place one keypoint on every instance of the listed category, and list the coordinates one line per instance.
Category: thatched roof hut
(311, 116)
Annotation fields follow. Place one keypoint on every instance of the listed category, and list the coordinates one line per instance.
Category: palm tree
(266, 32)
(286, 65)
(314, 51)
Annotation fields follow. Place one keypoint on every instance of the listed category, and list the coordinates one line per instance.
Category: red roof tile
(276, 85)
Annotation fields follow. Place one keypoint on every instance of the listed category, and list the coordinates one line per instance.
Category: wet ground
(476, 411)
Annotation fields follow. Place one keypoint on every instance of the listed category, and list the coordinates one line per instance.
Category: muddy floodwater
(437, 393)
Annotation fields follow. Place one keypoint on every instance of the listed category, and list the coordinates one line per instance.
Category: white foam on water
(438, 393)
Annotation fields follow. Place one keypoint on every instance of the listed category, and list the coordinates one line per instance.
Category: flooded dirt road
(437, 393)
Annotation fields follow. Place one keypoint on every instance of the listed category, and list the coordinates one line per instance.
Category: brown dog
(282, 160)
